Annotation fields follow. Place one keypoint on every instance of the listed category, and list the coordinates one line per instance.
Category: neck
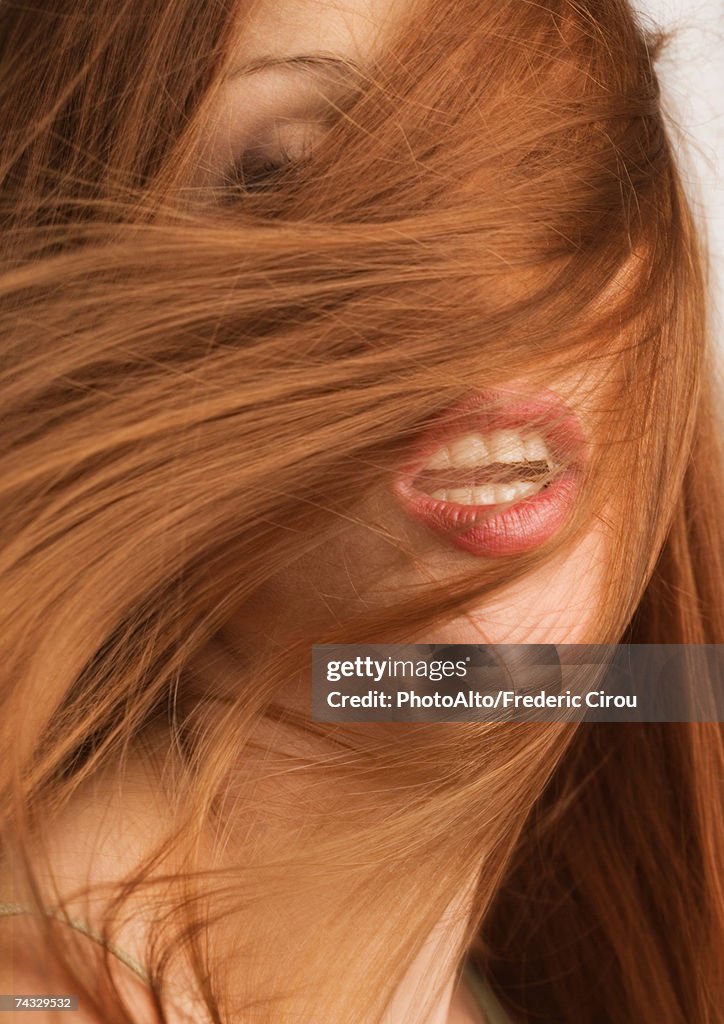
(429, 993)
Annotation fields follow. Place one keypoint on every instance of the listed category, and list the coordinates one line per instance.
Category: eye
(276, 154)
(270, 116)
(256, 172)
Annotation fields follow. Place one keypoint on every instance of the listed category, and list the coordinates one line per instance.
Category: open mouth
(497, 475)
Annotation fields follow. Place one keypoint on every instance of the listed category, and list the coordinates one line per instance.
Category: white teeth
(490, 494)
(440, 460)
(525, 488)
(485, 495)
(469, 451)
(501, 446)
(507, 446)
(461, 495)
(506, 492)
(536, 450)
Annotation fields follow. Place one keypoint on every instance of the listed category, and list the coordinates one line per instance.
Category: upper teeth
(500, 446)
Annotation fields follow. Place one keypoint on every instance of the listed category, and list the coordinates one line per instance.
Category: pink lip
(497, 530)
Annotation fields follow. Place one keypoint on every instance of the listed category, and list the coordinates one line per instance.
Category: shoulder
(21, 975)
(110, 826)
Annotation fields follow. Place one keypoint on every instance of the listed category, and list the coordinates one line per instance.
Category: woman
(341, 323)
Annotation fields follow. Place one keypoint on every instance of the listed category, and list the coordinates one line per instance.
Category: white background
(692, 78)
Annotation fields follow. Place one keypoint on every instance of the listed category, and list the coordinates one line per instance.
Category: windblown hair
(200, 382)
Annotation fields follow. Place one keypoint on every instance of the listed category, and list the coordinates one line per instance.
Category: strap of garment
(484, 996)
(8, 909)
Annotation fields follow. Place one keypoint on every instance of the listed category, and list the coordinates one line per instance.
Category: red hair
(497, 199)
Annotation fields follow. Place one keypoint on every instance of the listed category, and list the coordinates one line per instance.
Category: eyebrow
(349, 68)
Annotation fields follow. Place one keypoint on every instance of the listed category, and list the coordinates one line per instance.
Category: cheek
(557, 604)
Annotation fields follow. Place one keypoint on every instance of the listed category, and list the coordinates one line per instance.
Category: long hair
(204, 382)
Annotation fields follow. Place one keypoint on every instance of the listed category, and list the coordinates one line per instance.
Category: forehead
(347, 28)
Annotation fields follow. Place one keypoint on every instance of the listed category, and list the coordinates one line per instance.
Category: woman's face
(483, 484)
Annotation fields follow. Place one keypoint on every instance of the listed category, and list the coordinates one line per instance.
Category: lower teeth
(489, 494)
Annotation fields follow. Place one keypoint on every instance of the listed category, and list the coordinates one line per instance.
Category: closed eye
(272, 117)
(277, 154)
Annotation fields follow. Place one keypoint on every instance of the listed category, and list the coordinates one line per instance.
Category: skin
(359, 568)
(332, 581)
(553, 604)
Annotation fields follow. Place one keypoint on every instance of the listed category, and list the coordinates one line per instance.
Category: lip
(492, 531)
